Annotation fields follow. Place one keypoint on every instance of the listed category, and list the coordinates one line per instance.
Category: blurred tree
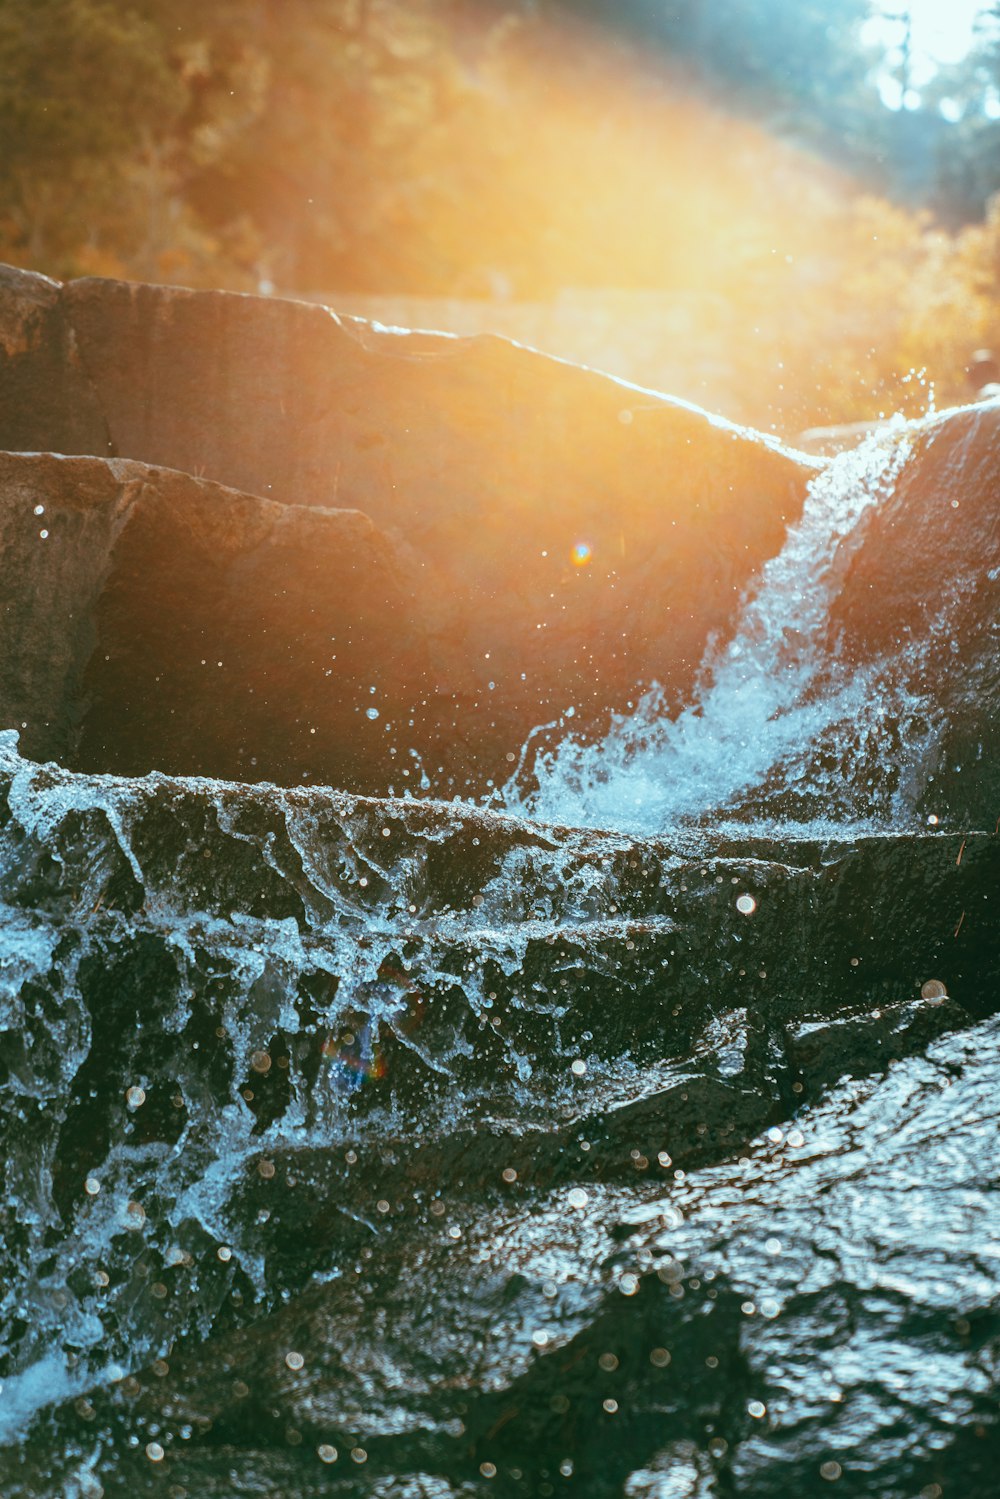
(105, 109)
(499, 149)
(339, 160)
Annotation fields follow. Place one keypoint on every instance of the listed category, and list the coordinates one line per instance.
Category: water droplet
(261, 1061)
(509, 1174)
(628, 1285)
(39, 509)
(578, 1068)
(91, 1186)
(830, 1470)
(756, 1408)
(154, 1452)
(371, 713)
(294, 1360)
(608, 1362)
(224, 1253)
(934, 990)
(611, 1406)
(44, 535)
(746, 905)
(326, 1453)
(488, 1470)
(540, 1337)
(659, 1358)
(577, 1197)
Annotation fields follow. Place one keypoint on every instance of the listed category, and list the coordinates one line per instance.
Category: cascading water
(774, 706)
(479, 1152)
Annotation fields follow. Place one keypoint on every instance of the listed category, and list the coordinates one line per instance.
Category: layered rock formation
(383, 1135)
(374, 1146)
(560, 539)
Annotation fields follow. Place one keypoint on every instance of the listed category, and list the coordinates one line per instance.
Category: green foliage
(457, 148)
(79, 80)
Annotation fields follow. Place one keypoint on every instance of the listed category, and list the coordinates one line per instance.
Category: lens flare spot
(581, 553)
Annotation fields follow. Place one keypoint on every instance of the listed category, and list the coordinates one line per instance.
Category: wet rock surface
(475, 1118)
(922, 592)
(381, 1146)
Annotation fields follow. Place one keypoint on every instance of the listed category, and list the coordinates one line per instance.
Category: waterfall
(770, 701)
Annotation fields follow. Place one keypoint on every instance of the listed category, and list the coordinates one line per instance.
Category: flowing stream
(770, 700)
(399, 1148)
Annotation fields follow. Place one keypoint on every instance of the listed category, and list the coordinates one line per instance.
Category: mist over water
(779, 731)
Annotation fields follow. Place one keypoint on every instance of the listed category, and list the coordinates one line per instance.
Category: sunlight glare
(942, 33)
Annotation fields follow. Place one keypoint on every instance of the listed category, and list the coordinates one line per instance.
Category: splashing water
(764, 699)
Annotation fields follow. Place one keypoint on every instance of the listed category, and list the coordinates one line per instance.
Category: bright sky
(942, 32)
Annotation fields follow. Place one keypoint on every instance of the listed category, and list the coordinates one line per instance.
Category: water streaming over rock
(636, 1139)
(777, 721)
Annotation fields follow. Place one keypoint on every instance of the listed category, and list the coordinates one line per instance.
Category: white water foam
(764, 698)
